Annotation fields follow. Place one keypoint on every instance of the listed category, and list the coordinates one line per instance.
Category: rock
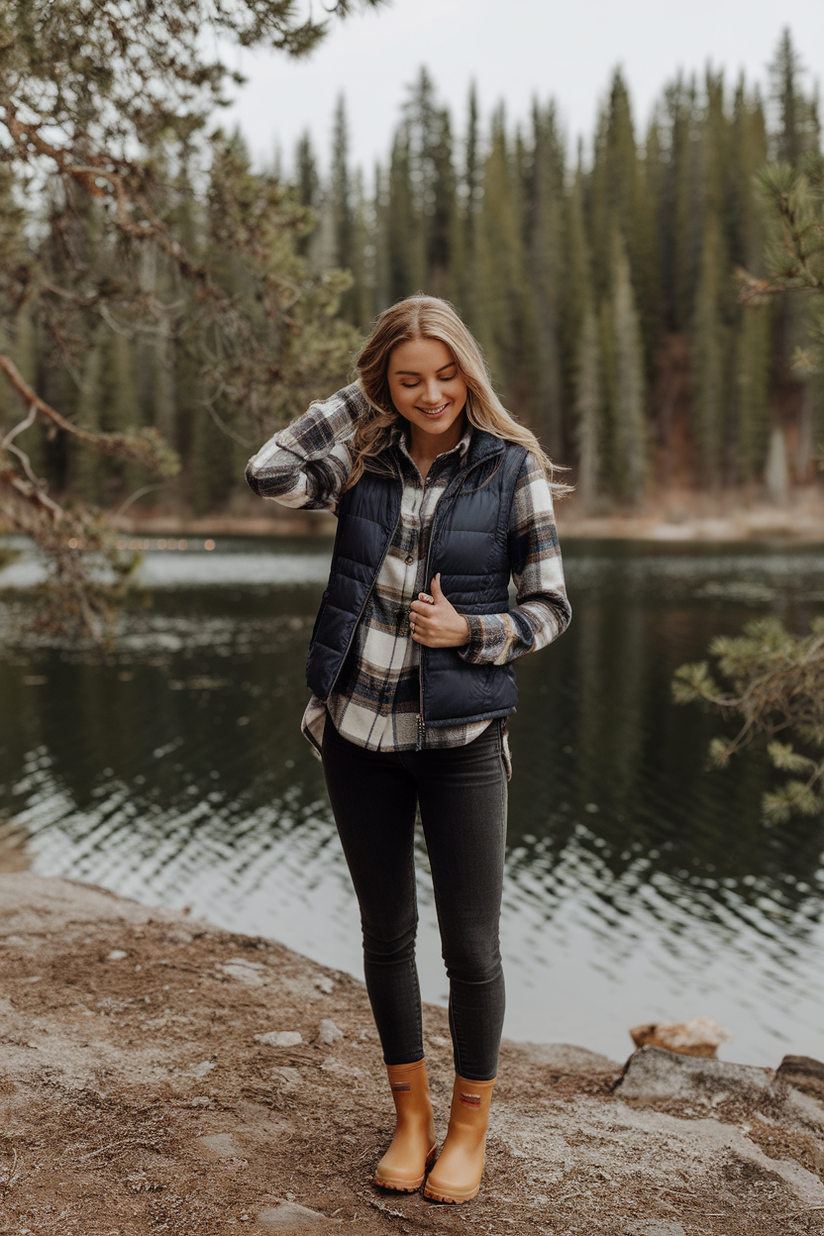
(116, 954)
(803, 1109)
(178, 936)
(654, 1073)
(245, 971)
(289, 1217)
(324, 984)
(700, 1036)
(280, 1038)
(200, 1070)
(329, 1033)
(804, 1073)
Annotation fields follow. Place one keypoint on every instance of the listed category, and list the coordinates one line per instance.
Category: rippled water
(641, 885)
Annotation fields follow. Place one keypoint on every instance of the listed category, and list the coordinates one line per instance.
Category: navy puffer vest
(468, 545)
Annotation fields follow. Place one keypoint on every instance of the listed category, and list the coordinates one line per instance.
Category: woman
(441, 497)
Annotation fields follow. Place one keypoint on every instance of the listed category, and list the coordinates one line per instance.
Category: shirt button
(409, 559)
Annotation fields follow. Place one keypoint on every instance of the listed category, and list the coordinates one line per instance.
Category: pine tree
(751, 390)
(581, 344)
(752, 328)
(361, 261)
(710, 351)
(497, 314)
(588, 409)
(307, 186)
(404, 232)
(746, 154)
(576, 274)
(470, 196)
(630, 438)
(441, 210)
(545, 210)
(346, 237)
(432, 185)
(796, 128)
(795, 135)
(679, 212)
(381, 224)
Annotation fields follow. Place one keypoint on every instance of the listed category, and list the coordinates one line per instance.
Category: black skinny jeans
(462, 796)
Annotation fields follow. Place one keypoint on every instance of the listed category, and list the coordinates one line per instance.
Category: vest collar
(475, 446)
(482, 446)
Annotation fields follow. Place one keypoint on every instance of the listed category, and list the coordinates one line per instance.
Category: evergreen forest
(601, 284)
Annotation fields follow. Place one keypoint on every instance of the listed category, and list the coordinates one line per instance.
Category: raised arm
(307, 463)
(542, 611)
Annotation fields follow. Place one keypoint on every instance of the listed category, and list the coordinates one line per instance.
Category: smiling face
(428, 391)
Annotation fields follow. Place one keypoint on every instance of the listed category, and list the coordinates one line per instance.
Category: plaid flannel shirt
(376, 700)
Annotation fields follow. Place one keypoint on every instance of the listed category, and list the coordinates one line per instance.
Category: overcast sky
(514, 50)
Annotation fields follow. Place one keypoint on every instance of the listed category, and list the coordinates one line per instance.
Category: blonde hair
(428, 317)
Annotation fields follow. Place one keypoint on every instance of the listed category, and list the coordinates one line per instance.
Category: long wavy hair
(428, 317)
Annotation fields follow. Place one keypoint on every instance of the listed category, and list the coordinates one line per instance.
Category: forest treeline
(603, 290)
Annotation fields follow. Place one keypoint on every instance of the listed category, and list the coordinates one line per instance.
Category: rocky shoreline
(163, 1075)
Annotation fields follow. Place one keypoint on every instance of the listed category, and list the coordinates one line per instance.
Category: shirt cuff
(487, 637)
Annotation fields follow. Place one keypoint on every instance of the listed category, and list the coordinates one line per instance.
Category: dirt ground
(136, 1098)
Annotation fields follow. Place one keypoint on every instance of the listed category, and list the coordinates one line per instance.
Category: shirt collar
(461, 448)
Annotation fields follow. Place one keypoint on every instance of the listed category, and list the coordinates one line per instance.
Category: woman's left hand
(434, 621)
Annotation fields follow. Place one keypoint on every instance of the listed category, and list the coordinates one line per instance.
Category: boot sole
(407, 1186)
(455, 1200)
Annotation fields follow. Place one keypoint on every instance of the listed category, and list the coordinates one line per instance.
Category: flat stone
(200, 1070)
(280, 1038)
(244, 971)
(654, 1073)
(292, 1218)
(329, 1033)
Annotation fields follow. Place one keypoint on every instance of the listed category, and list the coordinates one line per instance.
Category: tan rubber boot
(413, 1147)
(456, 1177)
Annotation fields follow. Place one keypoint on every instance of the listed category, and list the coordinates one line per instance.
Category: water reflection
(640, 883)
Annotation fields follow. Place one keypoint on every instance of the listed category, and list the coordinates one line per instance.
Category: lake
(641, 884)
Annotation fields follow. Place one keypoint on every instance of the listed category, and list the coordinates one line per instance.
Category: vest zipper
(421, 737)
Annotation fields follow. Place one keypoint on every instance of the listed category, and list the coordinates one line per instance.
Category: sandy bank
(137, 1096)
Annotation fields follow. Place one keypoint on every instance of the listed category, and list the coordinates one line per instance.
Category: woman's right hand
(434, 621)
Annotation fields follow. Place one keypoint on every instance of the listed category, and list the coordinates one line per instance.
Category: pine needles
(772, 682)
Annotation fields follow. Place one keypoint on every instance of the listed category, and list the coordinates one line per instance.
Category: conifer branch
(142, 446)
(775, 685)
